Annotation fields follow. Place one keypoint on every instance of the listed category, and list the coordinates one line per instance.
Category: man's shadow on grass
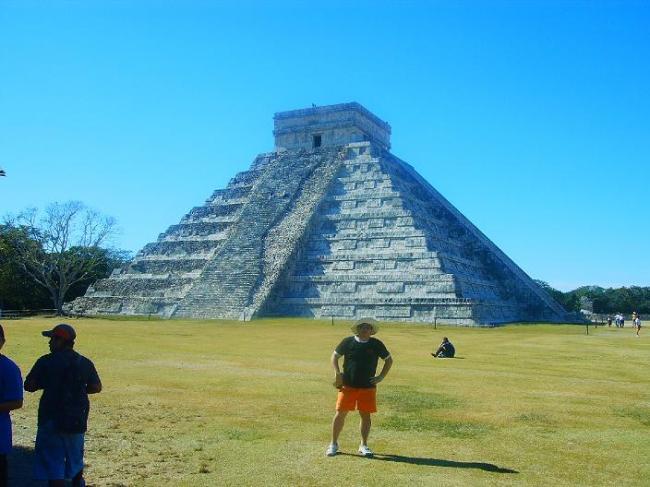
(21, 461)
(438, 462)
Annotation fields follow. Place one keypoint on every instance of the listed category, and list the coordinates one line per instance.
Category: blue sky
(532, 118)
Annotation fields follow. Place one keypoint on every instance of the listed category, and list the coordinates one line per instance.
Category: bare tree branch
(62, 245)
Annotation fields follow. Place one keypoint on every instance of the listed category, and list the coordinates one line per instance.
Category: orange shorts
(351, 398)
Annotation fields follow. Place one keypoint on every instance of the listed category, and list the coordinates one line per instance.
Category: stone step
(199, 228)
(241, 191)
(178, 248)
(227, 219)
(363, 195)
(211, 212)
(165, 266)
(370, 256)
(362, 300)
(371, 233)
(405, 277)
(334, 214)
(229, 282)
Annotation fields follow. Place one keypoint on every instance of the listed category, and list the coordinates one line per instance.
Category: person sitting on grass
(445, 350)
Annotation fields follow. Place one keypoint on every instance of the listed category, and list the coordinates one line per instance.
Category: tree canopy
(56, 253)
(605, 300)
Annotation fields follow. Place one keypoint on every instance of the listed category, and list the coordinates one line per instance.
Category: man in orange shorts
(357, 384)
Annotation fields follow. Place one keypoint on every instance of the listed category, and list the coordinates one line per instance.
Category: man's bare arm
(94, 388)
(31, 385)
(388, 363)
(338, 378)
(7, 406)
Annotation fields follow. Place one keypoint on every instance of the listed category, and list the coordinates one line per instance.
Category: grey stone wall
(336, 125)
(383, 245)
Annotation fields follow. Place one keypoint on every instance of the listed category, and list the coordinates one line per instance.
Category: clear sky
(531, 117)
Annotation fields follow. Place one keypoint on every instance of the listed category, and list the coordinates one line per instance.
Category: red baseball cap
(61, 331)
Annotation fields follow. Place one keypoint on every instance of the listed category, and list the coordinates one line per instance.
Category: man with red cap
(66, 379)
(11, 397)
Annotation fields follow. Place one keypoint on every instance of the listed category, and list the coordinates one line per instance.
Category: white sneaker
(332, 450)
(365, 451)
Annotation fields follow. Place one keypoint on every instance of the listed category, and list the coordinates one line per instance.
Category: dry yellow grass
(194, 403)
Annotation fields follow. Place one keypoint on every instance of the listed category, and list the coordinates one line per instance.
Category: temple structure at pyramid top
(329, 224)
(330, 125)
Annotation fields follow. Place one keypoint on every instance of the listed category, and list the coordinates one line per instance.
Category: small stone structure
(330, 224)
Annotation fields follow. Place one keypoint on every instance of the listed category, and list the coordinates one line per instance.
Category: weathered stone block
(406, 221)
(343, 265)
(381, 265)
(390, 287)
(393, 312)
(342, 287)
(344, 245)
(415, 242)
(380, 243)
(373, 203)
(338, 311)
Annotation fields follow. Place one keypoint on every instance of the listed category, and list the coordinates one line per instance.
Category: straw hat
(365, 321)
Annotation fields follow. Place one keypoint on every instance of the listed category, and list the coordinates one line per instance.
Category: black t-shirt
(360, 360)
(449, 349)
(48, 373)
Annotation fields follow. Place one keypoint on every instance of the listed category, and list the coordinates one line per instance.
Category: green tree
(107, 260)
(18, 291)
(62, 246)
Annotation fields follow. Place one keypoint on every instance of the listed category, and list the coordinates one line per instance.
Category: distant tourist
(66, 379)
(11, 397)
(637, 324)
(357, 384)
(619, 320)
(445, 350)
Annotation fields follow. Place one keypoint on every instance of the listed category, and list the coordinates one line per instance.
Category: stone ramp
(229, 284)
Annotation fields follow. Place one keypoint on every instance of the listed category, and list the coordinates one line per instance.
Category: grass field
(193, 403)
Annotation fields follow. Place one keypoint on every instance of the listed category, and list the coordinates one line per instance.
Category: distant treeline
(604, 300)
(19, 291)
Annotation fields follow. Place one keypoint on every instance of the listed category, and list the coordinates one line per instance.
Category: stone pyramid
(330, 224)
